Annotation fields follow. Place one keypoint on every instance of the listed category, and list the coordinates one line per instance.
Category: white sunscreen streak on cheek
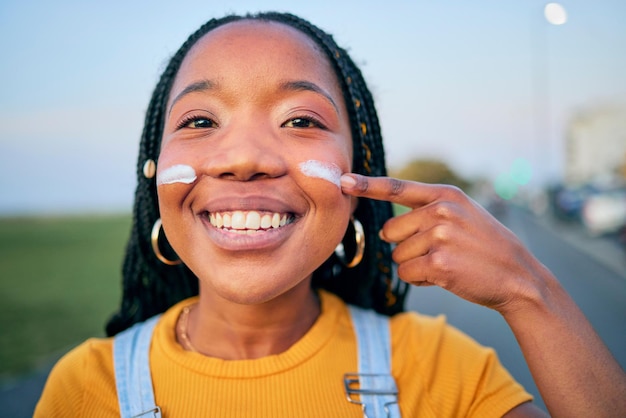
(179, 173)
(322, 170)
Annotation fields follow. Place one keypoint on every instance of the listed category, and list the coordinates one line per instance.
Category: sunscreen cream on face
(322, 170)
(179, 173)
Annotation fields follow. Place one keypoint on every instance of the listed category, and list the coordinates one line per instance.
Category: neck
(232, 331)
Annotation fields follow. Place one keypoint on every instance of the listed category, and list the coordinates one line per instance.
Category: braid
(151, 287)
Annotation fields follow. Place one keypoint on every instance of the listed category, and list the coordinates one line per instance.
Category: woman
(261, 160)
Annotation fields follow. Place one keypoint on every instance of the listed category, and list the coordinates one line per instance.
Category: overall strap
(132, 371)
(374, 384)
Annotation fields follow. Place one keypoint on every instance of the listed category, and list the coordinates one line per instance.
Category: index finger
(403, 192)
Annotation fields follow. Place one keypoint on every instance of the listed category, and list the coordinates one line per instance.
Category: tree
(431, 171)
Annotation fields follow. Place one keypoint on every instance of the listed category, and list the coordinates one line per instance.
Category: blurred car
(605, 212)
(568, 201)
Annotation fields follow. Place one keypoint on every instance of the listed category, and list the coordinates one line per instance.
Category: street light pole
(554, 14)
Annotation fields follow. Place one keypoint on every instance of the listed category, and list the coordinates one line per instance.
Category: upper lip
(229, 203)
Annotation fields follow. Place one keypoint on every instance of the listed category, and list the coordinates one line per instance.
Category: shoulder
(83, 372)
(431, 335)
(437, 348)
(453, 373)
(413, 322)
(93, 355)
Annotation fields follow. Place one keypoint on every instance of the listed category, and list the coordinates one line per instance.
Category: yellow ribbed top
(440, 372)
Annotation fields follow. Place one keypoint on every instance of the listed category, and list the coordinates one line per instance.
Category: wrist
(538, 293)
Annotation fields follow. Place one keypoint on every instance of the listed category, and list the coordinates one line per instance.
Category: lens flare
(505, 187)
(521, 171)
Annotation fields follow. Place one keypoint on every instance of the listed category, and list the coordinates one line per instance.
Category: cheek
(171, 199)
(177, 173)
(319, 174)
(171, 156)
(322, 170)
(327, 160)
(323, 189)
(175, 176)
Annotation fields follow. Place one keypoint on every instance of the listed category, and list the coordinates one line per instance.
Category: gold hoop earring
(154, 239)
(359, 239)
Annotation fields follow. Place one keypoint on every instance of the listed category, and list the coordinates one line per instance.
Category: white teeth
(266, 221)
(238, 220)
(250, 222)
(253, 220)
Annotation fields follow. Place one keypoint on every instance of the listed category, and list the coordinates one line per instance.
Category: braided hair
(151, 287)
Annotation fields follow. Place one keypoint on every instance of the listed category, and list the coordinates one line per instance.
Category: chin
(248, 296)
(246, 292)
(254, 283)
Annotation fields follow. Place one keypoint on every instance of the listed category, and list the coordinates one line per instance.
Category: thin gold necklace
(183, 322)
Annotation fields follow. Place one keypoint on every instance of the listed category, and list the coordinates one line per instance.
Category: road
(592, 271)
(593, 274)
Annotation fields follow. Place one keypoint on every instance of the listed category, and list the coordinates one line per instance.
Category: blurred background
(521, 103)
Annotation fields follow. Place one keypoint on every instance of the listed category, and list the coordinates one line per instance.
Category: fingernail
(347, 181)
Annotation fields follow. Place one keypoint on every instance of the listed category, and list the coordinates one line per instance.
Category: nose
(245, 152)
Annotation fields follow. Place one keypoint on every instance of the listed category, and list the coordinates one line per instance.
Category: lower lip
(233, 241)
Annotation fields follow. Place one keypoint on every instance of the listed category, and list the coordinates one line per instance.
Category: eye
(196, 122)
(304, 122)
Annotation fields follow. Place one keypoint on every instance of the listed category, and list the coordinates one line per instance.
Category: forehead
(255, 47)
(261, 31)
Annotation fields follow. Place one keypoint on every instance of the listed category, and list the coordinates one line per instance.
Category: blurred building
(596, 145)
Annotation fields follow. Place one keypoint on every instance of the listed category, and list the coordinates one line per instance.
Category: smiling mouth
(249, 222)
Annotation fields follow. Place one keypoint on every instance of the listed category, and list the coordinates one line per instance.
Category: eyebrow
(302, 85)
(198, 86)
(297, 85)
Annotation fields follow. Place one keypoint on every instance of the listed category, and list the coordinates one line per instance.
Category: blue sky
(452, 80)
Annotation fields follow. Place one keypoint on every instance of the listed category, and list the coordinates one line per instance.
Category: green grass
(60, 279)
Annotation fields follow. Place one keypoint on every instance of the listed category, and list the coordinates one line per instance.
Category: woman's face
(256, 136)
